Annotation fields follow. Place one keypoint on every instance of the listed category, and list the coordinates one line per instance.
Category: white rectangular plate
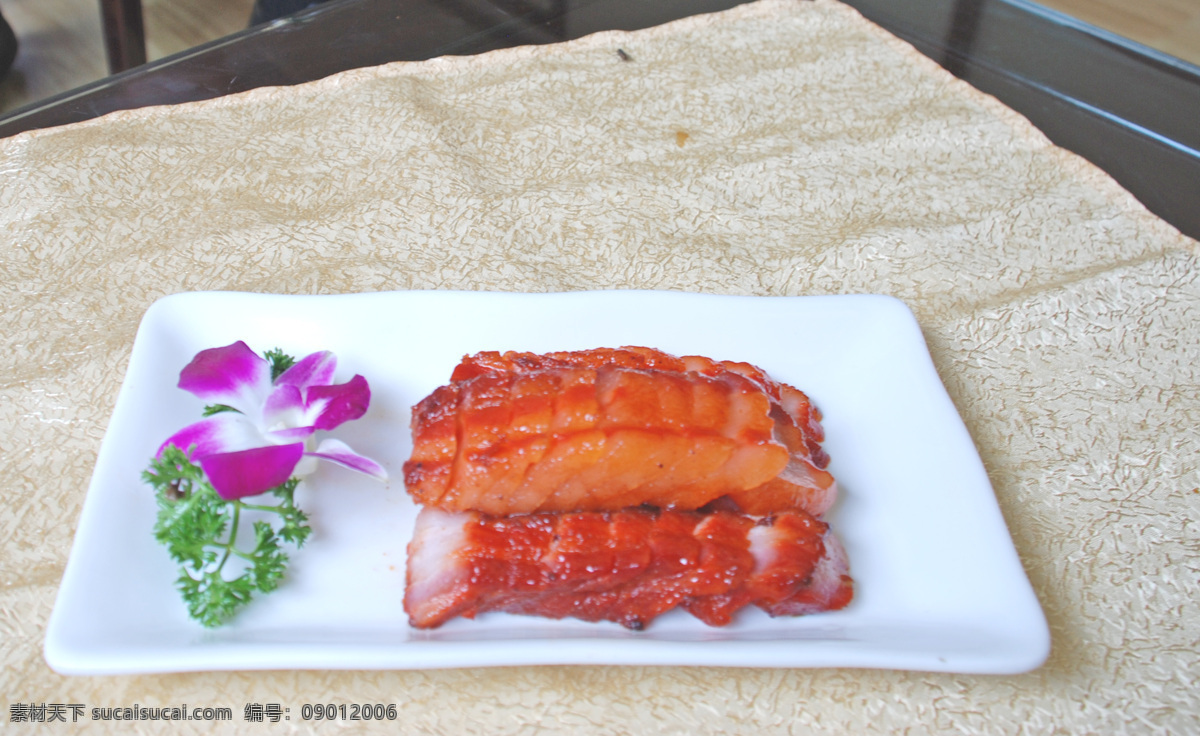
(938, 583)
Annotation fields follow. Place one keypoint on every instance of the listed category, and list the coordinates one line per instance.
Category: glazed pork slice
(628, 566)
(607, 429)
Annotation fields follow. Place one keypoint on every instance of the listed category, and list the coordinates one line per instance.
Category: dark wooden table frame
(124, 34)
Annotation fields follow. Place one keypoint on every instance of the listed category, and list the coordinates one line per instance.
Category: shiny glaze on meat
(628, 567)
(607, 429)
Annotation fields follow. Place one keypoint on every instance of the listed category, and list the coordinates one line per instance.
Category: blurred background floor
(1171, 26)
(61, 45)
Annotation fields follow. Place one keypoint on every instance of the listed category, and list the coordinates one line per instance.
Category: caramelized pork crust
(608, 429)
(628, 567)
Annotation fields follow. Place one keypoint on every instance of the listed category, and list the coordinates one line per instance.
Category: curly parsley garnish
(219, 575)
(280, 362)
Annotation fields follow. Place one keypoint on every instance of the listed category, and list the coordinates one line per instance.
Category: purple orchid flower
(269, 438)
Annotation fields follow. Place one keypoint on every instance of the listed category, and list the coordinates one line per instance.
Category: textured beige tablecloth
(783, 148)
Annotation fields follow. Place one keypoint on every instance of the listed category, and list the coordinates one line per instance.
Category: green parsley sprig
(200, 530)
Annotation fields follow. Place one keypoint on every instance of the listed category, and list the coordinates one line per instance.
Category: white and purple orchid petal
(224, 432)
(306, 466)
(314, 370)
(250, 472)
(335, 405)
(287, 435)
(261, 445)
(233, 375)
(285, 407)
(340, 453)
